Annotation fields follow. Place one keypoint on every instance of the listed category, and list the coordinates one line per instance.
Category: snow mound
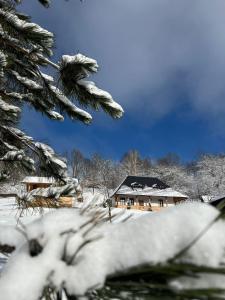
(77, 250)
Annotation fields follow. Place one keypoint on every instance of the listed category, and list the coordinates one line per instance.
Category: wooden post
(166, 201)
(136, 200)
(116, 201)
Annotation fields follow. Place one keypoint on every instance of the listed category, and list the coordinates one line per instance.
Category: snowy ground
(10, 215)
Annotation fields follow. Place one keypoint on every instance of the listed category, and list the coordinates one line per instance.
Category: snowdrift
(78, 250)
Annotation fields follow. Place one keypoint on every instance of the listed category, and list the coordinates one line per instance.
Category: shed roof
(37, 179)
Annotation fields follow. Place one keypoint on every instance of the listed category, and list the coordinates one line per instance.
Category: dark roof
(219, 203)
(216, 201)
(140, 181)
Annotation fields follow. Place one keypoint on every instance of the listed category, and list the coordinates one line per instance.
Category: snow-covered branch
(25, 49)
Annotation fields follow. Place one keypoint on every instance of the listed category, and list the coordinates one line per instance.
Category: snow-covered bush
(77, 251)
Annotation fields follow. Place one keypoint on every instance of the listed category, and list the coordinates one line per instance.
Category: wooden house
(145, 193)
(35, 182)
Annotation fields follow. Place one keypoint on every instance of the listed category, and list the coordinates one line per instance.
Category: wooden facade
(51, 203)
(32, 186)
(33, 183)
(145, 193)
(145, 203)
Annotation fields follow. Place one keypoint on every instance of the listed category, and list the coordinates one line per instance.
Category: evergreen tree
(25, 50)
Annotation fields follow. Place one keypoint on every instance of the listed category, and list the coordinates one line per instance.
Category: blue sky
(162, 60)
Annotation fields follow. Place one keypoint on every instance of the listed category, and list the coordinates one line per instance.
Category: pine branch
(25, 47)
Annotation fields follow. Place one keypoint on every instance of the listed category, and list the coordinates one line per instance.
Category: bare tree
(210, 175)
(170, 159)
(77, 164)
(131, 162)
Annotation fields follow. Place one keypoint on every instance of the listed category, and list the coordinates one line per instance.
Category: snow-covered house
(34, 182)
(145, 193)
(206, 198)
(38, 187)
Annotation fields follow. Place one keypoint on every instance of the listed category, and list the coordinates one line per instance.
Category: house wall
(32, 186)
(153, 203)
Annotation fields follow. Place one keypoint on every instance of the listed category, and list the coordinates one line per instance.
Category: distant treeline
(205, 176)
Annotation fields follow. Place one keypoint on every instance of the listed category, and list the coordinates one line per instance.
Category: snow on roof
(206, 198)
(146, 186)
(36, 179)
(149, 191)
(143, 181)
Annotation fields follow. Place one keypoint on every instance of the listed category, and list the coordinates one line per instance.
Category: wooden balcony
(140, 207)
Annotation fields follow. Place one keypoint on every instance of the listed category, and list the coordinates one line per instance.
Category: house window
(161, 202)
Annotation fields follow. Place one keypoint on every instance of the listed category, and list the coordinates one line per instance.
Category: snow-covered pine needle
(73, 71)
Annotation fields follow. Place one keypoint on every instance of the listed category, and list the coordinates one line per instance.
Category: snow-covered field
(10, 215)
(9, 212)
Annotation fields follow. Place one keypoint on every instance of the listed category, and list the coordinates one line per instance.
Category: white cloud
(155, 54)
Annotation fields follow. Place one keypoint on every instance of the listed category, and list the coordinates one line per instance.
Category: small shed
(34, 182)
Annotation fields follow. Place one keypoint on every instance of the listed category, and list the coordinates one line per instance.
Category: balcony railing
(139, 207)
